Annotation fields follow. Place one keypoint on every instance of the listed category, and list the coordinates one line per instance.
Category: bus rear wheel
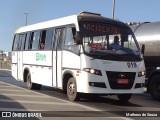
(72, 93)
(32, 86)
(124, 97)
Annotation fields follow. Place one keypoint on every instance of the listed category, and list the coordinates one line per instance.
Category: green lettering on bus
(40, 57)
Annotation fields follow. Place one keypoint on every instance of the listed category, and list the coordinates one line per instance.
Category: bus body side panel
(40, 65)
(59, 69)
(14, 64)
(71, 62)
(54, 71)
(20, 65)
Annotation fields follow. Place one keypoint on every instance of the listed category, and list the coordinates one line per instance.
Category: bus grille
(114, 76)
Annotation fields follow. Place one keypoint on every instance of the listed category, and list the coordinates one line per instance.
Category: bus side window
(22, 41)
(27, 41)
(70, 36)
(70, 41)
(31, 40)
(59, 38)
(42, 40)
(49, 38)
(15, 43)
(35, 40)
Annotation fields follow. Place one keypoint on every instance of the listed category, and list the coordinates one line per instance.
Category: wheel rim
(29, 81)
(71, 89)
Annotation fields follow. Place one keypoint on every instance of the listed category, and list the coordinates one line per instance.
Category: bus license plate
(122, 81)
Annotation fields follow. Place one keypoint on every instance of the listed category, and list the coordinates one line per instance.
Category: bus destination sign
(102, 28)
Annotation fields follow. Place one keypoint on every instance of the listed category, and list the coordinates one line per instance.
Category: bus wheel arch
(27, 79)
(66, 77)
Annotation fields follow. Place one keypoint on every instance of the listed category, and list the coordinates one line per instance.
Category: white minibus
(76, 54)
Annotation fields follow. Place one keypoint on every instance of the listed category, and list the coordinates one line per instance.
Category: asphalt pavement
(50, 103)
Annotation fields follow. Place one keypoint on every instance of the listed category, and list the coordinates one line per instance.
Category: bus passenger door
(57, 57)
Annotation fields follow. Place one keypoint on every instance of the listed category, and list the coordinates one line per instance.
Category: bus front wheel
(124, 97)
(31, 85)
(72, 93)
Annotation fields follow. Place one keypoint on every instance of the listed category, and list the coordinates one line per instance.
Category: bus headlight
(93, 71)
(141, 73)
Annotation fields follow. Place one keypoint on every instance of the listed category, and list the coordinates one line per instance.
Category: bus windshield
(107, 41)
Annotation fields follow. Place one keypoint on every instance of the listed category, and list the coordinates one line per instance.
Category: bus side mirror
(143, 48)
(78, 38)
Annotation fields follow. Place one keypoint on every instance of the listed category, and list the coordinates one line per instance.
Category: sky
(12, 13)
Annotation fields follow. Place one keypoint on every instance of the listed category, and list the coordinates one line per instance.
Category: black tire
(154, 87)
(32, 86)
(124, 97)
(72, 93)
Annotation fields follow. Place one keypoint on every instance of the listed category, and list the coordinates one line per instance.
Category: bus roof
(83, 16)
(52, 23)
